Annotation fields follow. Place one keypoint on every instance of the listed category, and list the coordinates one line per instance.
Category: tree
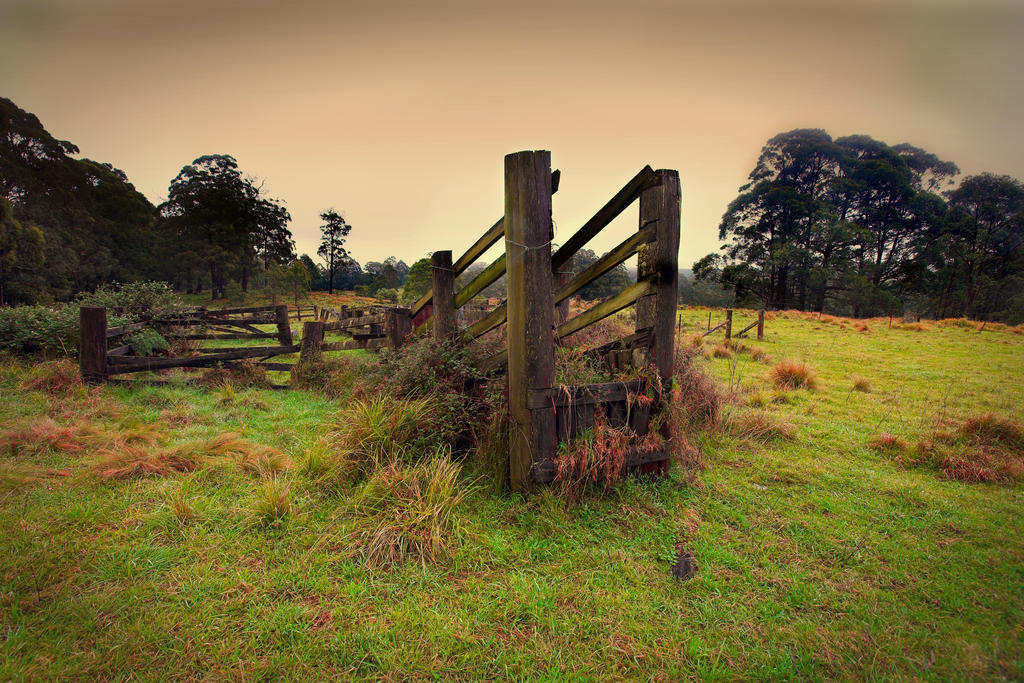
(418, 281)
(21, 249)
(335, 230)
(821, 219)
(216, 213)
(985, 239)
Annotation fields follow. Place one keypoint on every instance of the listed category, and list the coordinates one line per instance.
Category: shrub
(146, 342)
(793, 375)
(408, 512)
(861, 384)
(138, 298)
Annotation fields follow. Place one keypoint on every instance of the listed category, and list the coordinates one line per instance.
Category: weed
(793, 375)
(696, 397)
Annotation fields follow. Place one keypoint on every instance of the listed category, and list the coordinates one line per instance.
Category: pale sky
(399, 113)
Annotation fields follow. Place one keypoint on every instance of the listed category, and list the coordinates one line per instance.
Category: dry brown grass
(862, 384)
(242, 374)
(760, 355)
(861, 326)
(760, 426)
(912, 327)
(721, 351)
(56, 378)
(125, 460)
(984, 448)
(793, 375)
(32, 436)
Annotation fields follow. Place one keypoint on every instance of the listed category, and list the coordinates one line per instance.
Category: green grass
(818, 556)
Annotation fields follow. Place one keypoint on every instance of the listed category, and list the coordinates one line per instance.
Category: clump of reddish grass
(985, 448)
(861, 384)
(721, 351)
(793, 375)
(888, 443)
(36, 435)
(913, 327)
(956, 322)
(695, 395)
(861, 326)
(125, 460)
(56, 378)
(760, 355)
(760, 426)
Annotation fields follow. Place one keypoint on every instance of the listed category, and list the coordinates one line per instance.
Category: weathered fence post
(660, 205)
(760, 324)
(92, 347)
(397, 326)
(312, 338)
(284, 328)
(728, 324)
(709, 321)
(443, 286)
(531, 310)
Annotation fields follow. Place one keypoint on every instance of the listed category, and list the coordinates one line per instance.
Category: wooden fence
(535, 312)
(727, 326)
(98, 362)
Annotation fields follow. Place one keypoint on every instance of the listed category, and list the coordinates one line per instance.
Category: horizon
(399, 115)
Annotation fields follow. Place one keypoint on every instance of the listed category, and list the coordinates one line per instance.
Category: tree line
(855, 226)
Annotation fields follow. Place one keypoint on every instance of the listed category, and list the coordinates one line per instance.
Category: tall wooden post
(760, 324)
(728, 324)
(284, 328)
(312, 338)
(442, 277)
(531, 311)
(397, 326)
(92, 347)
(660, 258)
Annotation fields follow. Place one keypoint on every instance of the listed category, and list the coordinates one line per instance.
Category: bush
(138, 298)
(146, 342)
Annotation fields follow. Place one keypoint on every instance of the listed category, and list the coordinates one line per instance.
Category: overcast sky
(399, 114)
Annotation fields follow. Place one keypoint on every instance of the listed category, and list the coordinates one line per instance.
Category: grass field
(819, 556)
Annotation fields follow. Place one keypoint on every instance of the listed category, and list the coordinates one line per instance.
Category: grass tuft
(33, 436)
(273, 501)
(408, 512)
(56, 378)
(861, 384)
(793, 375)
(760, 426)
